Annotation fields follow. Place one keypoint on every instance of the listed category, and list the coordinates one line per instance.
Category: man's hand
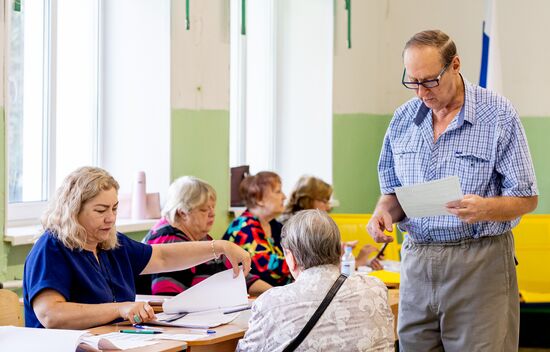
(378, 223)
(471, 209)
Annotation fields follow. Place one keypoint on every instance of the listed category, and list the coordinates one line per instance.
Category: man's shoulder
(490, 106)
(407, 109)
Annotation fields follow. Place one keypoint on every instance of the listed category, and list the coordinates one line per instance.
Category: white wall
(304, 90)
(200, 80)
(368, 77)
(136, 92)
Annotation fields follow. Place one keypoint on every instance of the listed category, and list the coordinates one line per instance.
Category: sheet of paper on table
(14, 338)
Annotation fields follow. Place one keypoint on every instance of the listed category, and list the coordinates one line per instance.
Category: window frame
(29, 212)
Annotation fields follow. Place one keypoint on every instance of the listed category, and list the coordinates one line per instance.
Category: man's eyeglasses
(430, 83)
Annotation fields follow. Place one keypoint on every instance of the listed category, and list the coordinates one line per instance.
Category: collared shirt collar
(467, 112)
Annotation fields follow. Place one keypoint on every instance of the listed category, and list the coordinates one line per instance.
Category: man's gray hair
(185, 194)
(313, 238)
(437, 39)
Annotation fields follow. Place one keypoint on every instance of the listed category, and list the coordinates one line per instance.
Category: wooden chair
(10, 310)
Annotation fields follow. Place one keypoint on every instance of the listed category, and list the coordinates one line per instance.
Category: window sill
(25, 235)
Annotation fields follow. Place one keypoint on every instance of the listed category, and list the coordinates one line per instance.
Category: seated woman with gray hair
(357, 319)
(188, 216)
(81, 272)
(311, 192)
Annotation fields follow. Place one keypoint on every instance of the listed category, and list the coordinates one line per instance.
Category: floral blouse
(359, 317)
(268, 261)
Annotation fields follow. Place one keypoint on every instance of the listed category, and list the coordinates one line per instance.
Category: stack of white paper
(118, 341)
(218, 291)
(14, 338)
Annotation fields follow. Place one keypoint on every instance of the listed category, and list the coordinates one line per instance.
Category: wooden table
(225, 338)
(390, 278)
(393, 301)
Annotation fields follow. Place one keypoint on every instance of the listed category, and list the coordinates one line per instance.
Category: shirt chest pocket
(408, 163)
(473, 168)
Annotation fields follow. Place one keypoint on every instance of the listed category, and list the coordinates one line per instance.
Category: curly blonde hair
(61, 217)
(307, 190)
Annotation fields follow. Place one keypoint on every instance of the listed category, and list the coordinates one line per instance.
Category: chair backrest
(238, 174)
(143, 284)
(10, 310)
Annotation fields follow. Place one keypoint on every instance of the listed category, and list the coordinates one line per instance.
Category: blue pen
(137, 326)
(203, 331)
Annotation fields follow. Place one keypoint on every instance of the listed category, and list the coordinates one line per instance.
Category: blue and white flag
(490, 75)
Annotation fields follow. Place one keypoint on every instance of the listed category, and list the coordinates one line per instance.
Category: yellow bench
(532, 243)
(354, 227)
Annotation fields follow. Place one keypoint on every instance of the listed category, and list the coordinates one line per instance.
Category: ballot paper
(429, 199)
(206, 304)
(218, 291)
(196, 320)
(118, 341)
(14, 338)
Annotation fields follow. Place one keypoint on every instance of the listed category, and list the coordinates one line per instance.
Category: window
(281, 88)
(52, 98)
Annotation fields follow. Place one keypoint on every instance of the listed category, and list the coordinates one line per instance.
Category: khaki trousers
(459, 296)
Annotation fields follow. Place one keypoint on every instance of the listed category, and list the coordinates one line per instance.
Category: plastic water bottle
(348, 262)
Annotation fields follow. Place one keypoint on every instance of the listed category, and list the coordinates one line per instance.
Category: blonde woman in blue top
(81, 272)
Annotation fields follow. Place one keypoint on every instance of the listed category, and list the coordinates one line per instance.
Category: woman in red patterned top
(257, 231)
(188, 215)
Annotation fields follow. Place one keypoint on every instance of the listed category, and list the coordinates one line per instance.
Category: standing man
(458, 278)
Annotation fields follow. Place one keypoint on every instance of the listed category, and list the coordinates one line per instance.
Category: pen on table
(236, 310)
(202, 331)
(140, 332)
(137, 326)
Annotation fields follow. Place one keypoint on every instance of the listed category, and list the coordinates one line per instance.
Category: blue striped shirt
(484, 145)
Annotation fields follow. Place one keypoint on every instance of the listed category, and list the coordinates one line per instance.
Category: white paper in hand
(219, 291)
(429, 198)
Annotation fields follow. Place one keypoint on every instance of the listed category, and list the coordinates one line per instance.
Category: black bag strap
(315, 317)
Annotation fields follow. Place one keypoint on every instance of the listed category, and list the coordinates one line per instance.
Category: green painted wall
(538, 131)
(357, 139)
(200, 147)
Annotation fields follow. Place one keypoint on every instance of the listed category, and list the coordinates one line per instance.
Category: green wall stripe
(357, 139)
(200, 147)
(537, 130)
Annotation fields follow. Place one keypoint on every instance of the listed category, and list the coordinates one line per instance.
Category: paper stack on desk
(206, 304)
